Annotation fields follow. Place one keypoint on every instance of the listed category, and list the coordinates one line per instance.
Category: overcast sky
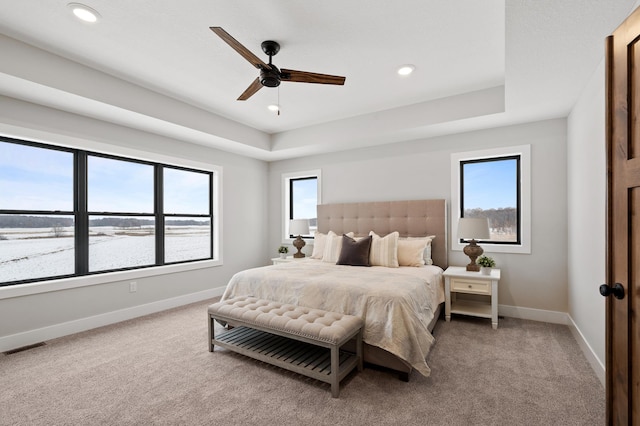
(305, 196)
(34, 178)
(490, 184)
(42, 179)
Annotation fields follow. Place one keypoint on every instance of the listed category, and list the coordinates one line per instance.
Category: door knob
(617, 290)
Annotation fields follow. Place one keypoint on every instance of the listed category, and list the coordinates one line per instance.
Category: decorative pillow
(427, 252)
(425, 256)
(319, 240)
(332, 246)
(411, 252)
(355, 252)
(384, 250)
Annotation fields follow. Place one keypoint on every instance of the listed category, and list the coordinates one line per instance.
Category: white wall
(421, 169)
(243, 230)
(586, 180)
(586, 183)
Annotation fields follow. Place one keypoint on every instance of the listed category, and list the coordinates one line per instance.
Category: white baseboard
(532, 314)
(31, 337)
(555, 317)
(593, 359)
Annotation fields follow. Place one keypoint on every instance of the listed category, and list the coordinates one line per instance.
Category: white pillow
(332, 247)
(319, 240)
(411, 252)
(384, 250)
(427, 250)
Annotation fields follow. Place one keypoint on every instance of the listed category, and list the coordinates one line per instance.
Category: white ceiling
(156, 66)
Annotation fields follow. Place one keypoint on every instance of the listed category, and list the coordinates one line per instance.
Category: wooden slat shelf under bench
(300, 357)
(303, 340)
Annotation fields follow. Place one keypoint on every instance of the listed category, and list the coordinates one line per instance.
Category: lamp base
(473, 267)
(299, 243)
(473, 250)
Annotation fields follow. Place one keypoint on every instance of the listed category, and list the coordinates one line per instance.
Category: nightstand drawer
(461, 285)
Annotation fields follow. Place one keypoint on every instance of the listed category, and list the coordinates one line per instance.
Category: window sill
(19, 290)
(498, 248)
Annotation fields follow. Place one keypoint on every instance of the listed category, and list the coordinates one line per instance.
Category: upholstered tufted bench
(300, 339)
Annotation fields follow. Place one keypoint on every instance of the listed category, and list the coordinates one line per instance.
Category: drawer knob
(470, 286)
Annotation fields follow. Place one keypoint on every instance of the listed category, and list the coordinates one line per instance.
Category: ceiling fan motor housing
(270, 78)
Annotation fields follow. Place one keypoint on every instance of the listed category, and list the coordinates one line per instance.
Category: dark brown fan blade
(310, 77)
(251, 90)
(235, 44)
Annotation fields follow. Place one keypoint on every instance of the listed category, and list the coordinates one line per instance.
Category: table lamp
(472, 229)
(299, 227)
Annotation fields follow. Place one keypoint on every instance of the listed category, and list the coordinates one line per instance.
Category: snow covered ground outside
(37, 253)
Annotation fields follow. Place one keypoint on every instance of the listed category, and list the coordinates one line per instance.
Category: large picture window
(67, 212)
(494, 184)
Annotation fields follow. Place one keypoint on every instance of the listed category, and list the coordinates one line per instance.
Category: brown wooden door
(623, 223)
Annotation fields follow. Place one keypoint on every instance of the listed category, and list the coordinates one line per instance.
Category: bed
(399, 305)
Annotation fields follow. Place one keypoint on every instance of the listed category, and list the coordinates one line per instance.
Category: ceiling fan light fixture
(405, 70)
(84, 12)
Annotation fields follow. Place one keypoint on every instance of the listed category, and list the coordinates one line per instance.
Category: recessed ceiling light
(83, 12)
(273, 108)
(406, 69)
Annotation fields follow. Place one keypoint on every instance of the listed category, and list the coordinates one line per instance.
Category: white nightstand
(277, 260)
(458, 280)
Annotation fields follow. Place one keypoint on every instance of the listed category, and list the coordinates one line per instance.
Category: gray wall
(421, 169)
(252, 208)
(243, 228)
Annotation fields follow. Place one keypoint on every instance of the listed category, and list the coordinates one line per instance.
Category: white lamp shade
(473, 228)
(299, 227)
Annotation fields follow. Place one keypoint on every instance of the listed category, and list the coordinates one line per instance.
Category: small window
(302, 196)
(490, 189)
(120, 196)
(187, 211)
(494, 184)
(37, 226)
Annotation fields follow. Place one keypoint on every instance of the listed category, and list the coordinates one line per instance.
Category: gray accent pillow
(355, 252)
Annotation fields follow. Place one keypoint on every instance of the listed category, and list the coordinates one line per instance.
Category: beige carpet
(157, 370)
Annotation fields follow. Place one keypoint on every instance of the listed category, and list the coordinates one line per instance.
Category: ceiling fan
(270, 75)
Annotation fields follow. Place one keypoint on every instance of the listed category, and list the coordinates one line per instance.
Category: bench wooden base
(299, 357)
(317, 359)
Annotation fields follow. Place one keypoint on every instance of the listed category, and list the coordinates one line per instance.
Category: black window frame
(82, 215)
(518, 158)
(291, 200)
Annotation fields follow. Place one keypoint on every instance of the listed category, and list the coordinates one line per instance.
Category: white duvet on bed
(396, 304)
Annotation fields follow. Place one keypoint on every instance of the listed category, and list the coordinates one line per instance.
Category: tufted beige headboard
(416, 218)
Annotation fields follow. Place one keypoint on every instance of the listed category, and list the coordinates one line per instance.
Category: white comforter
(396, 304)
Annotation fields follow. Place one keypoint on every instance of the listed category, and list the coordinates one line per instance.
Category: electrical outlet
(133, 287)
